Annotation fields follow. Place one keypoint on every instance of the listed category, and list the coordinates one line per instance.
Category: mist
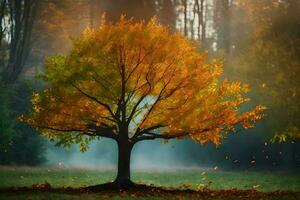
(247, 150)
(250, 40)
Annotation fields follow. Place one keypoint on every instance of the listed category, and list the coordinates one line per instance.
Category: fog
(247, 150)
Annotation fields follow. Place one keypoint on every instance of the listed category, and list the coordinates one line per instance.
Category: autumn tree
(133, 82)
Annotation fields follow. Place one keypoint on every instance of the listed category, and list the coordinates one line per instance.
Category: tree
(271, 63)
(6, 124)
(19, 143)
(138, 9)
(16, 22)
(133, 82)
(201, 21)
(193, 18)
(222, 23)
(166, 13)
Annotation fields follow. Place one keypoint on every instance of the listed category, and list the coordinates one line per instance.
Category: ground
(209, 184)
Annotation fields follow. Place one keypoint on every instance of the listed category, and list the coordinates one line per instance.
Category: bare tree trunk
(192, 21)
(222, 22)
(226, 26)
(167, 14)
(3, 45)
(2, 10)
(203, 24)
(124, 153)
(201, 21)
(185, 17)
(138, 9)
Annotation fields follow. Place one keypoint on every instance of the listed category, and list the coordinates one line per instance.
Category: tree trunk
(124, 151)
(185, 18)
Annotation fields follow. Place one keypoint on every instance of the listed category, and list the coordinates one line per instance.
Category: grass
(193, 178)
(58, 177)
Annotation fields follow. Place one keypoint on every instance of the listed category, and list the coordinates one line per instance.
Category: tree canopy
(271, 63)
(138, 81)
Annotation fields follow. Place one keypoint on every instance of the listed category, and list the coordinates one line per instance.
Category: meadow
(196, 179)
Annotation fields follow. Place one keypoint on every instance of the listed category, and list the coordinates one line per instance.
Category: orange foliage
(139, 80)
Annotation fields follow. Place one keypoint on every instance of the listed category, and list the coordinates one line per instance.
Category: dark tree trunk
(124, 152)
(167, 14)
(138, 9)
(185, 17)
(222, 23)
(203, 23)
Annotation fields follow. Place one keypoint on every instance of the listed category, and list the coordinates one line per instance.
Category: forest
(143, 86)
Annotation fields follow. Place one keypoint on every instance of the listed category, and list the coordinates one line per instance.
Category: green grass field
(194, 179)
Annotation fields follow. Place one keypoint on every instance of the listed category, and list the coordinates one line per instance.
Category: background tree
(138, 9)
(132, 82)
(268, 58)
(272, 61)
(167, 13)
(16, 29)
(6, 122)
(222, 24)
(19, 143)
(16, 19)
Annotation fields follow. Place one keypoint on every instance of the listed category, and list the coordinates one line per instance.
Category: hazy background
(259, 41)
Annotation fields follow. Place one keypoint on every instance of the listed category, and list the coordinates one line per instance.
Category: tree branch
(135, 108)
(96, 100)
(93, 131)
(153, 136)
(146, 130)
(147, 135)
